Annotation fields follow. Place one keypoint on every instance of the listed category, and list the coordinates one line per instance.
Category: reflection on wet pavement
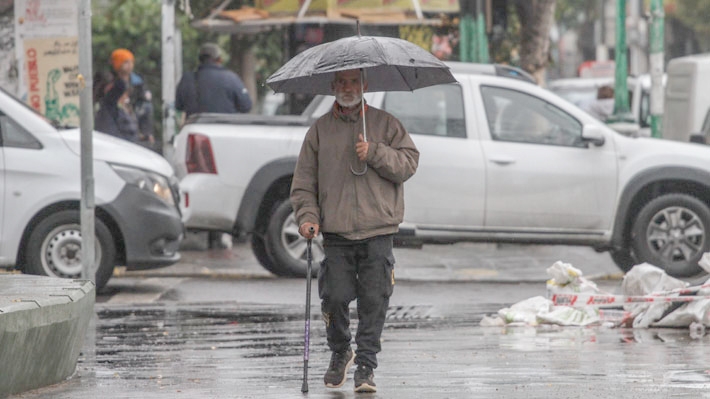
(231, 350)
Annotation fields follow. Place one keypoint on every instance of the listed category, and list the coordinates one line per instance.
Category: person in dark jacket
(212, 87)
(215, 89)
(115, 116)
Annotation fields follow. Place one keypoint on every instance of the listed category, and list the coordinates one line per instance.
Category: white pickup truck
(502, 160)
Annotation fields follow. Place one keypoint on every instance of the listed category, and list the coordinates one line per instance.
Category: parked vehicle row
(502, 160)
(138, 223)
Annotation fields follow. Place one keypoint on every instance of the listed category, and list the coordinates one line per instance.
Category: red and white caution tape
(607, 300)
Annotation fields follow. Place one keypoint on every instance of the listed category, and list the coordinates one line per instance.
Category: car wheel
(54, 248)
(623, 258)
(671, 232)
(287, 247)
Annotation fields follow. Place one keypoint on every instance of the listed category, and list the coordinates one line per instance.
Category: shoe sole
(345, 373)
(365, 387)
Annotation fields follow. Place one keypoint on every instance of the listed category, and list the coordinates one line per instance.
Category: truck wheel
(623, 258)
(258, 247)
(288, 248)
(54, 248)
(671, 232)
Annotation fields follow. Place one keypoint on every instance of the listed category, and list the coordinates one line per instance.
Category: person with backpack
(215, 89)
(212, 87)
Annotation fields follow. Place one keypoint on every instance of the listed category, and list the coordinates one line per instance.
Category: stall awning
(250, 20)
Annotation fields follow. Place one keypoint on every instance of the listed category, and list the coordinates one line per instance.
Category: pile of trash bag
(649, 298)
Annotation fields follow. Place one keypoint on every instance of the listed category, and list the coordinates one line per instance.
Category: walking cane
(307, 334)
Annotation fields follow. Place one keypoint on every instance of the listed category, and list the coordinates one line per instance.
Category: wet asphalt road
(163, 337)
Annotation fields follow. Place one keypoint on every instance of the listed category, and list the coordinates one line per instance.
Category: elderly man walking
(351, 190)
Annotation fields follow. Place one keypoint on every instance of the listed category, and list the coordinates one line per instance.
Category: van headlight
(148, 181)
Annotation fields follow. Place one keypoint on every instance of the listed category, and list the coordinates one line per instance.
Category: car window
(436, 110)
(519, 117)
(14, 135)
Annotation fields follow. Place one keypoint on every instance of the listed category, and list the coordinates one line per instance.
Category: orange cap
(119, 56)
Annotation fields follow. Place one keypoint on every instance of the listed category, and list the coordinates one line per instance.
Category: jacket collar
(353, 116)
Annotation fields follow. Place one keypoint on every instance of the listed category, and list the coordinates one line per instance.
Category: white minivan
(138, 223)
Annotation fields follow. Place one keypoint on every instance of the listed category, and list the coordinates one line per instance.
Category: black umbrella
(390, 64)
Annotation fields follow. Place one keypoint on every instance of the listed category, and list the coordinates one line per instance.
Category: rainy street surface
(183, 336)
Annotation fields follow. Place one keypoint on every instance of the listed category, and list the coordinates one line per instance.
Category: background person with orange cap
(137, 102)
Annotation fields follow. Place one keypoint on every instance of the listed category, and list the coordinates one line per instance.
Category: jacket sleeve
(397, 160)
(242, 101)
(180, 94)
(304, 187)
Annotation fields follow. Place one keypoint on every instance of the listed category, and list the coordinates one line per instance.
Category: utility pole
(168, 74)
(621, 120)
(481, 38)
(656, 60)
(473, 43)
(86, 125)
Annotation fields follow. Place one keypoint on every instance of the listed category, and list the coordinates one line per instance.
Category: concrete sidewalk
(43, 322)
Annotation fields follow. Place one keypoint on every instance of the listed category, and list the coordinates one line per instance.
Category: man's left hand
(361, 148)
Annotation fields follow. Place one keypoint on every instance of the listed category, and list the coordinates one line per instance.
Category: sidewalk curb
(43, 322)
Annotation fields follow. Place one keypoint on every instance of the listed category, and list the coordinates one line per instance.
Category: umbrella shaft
(362, 104)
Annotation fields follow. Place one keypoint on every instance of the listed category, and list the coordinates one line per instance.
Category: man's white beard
(347, 104)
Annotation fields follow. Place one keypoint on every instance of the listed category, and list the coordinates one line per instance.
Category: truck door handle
(502, 160)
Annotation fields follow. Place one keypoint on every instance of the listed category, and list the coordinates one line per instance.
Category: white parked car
(137, 220)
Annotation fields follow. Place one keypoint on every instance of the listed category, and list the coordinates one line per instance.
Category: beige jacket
(324, 189)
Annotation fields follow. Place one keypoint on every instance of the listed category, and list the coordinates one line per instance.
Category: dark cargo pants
(362, 270)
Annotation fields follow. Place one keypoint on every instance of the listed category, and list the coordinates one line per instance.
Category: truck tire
(286, 247)
(623, 258)
(258, 247)
(671, 232)
(54, 248)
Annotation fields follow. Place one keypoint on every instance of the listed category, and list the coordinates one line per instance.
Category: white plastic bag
(646, 279)
(569, 316)
(566, 279)
(526, 311)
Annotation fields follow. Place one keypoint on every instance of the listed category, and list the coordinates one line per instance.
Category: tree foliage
(536, 18)
(694, 15)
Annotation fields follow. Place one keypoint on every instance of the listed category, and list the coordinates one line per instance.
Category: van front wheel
(54, 248)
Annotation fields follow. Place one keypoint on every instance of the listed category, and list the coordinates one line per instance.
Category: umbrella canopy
(390, 64)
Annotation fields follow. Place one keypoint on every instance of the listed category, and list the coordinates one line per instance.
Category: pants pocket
(322, 278)
(389, 276)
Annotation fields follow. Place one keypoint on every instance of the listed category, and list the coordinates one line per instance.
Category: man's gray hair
(210, 52)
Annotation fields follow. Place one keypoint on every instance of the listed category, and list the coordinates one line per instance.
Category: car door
(541, 176)
(447, 190)
(29, 176)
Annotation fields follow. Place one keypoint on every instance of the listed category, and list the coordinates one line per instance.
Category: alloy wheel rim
(295, 244)
(676, 234)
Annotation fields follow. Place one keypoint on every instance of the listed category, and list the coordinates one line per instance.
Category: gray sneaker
(337, 372)
(364, 379)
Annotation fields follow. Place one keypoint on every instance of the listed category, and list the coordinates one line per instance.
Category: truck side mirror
(593, 134)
